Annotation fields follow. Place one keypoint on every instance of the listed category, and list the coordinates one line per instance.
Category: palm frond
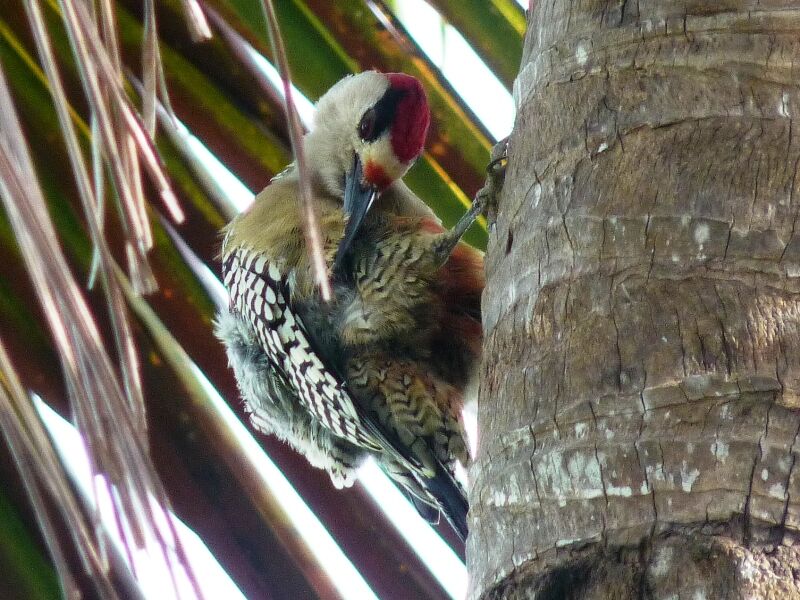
(310, 222)
(119, 447)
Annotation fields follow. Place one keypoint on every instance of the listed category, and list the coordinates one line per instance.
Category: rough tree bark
(640, 396)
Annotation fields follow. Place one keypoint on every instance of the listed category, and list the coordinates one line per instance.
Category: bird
(382, 368)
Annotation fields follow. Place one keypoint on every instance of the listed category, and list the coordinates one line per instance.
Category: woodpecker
(380, 370)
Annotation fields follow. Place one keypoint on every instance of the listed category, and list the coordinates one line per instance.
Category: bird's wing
(258, 292)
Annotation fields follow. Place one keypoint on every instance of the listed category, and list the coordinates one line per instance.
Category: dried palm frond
(43, 475)
(310, 224)
(106, 401)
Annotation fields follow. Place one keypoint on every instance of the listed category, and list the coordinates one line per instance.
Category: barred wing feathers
(258, 293)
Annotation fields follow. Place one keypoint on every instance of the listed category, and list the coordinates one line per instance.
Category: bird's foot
(495, 178)
(485, 202)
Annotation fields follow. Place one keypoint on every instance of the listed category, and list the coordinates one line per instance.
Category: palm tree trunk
(641, 380)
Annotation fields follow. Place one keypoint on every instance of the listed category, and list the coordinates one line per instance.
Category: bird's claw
(495, 178)
(485, 201)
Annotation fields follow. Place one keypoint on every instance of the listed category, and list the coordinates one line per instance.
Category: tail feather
(433, 496)
(426, 510)
(450, 498)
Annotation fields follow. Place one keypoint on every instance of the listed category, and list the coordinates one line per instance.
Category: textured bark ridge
(687, 566)
(640, 393)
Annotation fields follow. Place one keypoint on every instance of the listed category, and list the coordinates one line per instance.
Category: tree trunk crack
(602, 475)
(682, 344)
(789, 477)
(747, 525)
(533, 469)
(619, 353)
(643, 466)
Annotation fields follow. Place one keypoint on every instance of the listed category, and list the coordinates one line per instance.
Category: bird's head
(369, 130)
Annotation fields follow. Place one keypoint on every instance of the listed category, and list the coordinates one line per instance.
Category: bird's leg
(485, 198)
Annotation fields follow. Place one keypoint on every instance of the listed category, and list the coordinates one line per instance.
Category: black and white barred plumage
(257, 293)
(272, 404)
(382, 369)
(287, 370)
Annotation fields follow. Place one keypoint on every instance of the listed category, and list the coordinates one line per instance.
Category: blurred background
(227, 513)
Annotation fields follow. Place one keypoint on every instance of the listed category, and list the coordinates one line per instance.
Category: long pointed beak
(357, 202)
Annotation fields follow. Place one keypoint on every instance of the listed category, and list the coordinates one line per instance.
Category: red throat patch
(412, 117)
(375, 174)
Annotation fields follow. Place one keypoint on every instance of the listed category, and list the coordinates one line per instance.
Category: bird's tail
(434, 496)
(450, 499)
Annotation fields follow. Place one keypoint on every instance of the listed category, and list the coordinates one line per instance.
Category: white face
(336, 137)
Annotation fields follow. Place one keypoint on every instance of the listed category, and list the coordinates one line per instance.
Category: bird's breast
(400, 299)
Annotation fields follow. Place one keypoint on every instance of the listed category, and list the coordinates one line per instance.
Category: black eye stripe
(384, 111)
(367, 125)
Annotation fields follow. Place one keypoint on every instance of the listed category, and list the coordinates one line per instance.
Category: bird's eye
(366, 128)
